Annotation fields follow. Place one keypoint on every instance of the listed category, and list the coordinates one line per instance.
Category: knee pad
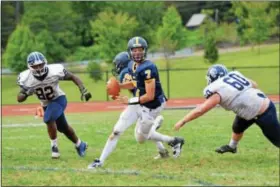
(140, 138)
(145, 126)
(115, 134)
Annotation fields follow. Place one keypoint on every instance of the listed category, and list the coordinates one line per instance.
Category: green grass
(26, 154)
(188, 83)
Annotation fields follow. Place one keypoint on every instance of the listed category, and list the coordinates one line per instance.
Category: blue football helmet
(37, 63)
(137, 42)
(120, 62)
(215, 72)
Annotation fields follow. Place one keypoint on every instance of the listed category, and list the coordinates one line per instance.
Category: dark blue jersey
(144, 72)
(125, 76)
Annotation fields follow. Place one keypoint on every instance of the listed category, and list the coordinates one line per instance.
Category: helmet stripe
(137, 41)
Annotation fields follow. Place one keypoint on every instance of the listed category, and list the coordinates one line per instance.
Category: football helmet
(37, 63)
(120, 62)
(137, 42)
(215, 72)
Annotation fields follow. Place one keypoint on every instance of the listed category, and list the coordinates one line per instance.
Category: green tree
(20, 44)
(259, 22)
(95, 71)
(11, 12)
(112, 31)
(147, 13)
(171, 35)
(55, 21)
(209, 29)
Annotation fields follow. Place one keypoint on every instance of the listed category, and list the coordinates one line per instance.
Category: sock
(160, 137)
(109, 147)
(233, 143)
(54, 142)
(160, 146)
(78, 143)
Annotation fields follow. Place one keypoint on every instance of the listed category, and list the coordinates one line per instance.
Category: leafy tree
(171, 35)
(9, 14)
(20, 44)
(56, 20)
(147, 13)
(209, 41)
(95, 71)
(112, 31)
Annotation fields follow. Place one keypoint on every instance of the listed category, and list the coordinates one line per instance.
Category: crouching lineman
(235, 92)
(42, 79)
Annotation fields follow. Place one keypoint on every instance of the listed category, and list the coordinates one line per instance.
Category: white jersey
(237, 95)
(47, 89)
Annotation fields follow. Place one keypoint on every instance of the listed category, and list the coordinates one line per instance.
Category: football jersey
(46, 89)
(144, 72)
(126, 77)
(237, 94)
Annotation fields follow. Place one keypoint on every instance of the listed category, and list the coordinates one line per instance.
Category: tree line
(76, 31)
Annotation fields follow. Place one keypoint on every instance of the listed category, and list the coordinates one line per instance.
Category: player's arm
(150, 86)
(127, 85)
(70, 76)
(210, 103)
(23, 94)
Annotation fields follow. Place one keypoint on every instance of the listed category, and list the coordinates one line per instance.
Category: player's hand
(29, 91)
(178, 125)
(85, 95)
(122, 99)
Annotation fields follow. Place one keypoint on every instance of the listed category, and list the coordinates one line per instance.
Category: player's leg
(163, 153)
(127, 118)
(269, 124)
(52, 129)
(146, 132)
(239, 126)
(66, 129)
(69, 132)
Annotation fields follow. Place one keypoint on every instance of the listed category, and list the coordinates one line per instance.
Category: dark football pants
(268, 123)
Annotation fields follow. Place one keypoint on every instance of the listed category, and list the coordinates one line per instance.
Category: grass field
(26, 154)
(183, 84)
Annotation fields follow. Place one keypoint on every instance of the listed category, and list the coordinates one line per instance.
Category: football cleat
(95, 164)
(162, 155)
(55, 152)
(226, 148)
(177, 145)
(81, 150)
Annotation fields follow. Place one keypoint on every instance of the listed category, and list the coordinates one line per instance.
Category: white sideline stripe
(23, 125)
(98, 171)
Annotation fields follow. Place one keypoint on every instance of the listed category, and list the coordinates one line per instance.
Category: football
(113, 88)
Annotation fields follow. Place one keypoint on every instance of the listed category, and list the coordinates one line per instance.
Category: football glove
(85, 95)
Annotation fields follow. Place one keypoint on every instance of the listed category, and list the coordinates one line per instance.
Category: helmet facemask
(39, 69)
(138, 54)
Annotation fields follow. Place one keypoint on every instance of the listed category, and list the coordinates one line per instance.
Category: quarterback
(128, 117)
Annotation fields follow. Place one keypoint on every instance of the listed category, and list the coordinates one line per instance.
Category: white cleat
(55, 152)
(95, 164)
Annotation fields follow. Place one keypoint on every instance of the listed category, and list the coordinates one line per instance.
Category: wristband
(134, 101)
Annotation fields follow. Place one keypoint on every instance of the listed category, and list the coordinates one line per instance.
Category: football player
(149, 99)
(233, 91)
(128, 117)
(42, 79)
